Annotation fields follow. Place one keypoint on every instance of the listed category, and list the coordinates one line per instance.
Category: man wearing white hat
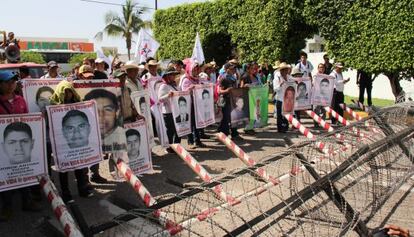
(99, 72)
(338, 96)
(132, 82)
(280, 78)
(152, 66)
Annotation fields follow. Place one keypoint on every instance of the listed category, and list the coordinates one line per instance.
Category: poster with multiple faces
(37, 92)
(239, 100)
(75, 135)
(181, 111)
(204, 105)
(141, 102)
(323, 87)
(23, 150)
(138, 148)
(107, 94)
(303, 94)
(289, 95)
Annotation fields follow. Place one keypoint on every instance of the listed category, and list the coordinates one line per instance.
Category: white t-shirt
(163, 97)
(339, 81)
(305, 69)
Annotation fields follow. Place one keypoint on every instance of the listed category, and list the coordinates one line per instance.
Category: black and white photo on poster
(239, 99)
(141, 102)
(37, 92)
(181, 111)
(303, 94)
(138, 148)
(204, 105)
(289, 97)
(75, 135)
(323, 86)
(107, 94)
(23, 150)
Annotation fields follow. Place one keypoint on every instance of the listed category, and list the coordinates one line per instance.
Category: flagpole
(156, 4)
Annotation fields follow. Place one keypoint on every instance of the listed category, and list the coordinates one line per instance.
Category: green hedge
(250, 29)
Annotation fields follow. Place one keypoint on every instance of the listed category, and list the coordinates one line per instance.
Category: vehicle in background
(35, 70)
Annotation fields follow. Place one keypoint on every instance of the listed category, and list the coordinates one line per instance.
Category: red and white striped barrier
(343, 121)
(358, 118)
(307, 133)
(144, 194)
(70, 227)
(200, 171)
(324, 124)
(245, 158)
(360, 105)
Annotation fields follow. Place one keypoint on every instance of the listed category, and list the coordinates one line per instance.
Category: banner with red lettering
(75, 135)
(23, 150)
(139, 151)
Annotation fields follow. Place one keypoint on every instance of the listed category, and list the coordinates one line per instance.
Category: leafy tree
(31, 56)
(375, 36)
(78, 58)
(125, 25)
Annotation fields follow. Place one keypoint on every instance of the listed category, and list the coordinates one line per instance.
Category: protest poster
(75, 135)
(37, 92)
(203, 105)
(259, 106)
(289, 96)
(142, 104)
(107, 94)
(153, 85)
(304, 94)
(181, 111)
(138, 147)
(239, 100)
(23, 150)
(323, 86)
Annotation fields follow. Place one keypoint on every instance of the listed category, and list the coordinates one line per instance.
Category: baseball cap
(51, 64)
(86, 70)
(7, 76)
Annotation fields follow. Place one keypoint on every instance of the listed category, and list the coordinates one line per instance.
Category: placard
(75, 135)
(107, 94)
(323, 86)
(139, 151)
(303, 94)
(204, 105)
(259, 106)
(37, 92)
(23, 150)
(141, 102)
(181, 110)
(289, 97)
(239, 100)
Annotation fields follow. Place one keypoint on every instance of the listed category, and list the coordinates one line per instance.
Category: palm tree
(125, 25)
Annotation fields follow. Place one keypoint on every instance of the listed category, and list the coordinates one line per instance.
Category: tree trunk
(397, 90)
(128, 44)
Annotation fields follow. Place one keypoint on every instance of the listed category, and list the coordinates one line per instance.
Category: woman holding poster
(165, 92)
(189, 81)
(66, 94)
(10, 103)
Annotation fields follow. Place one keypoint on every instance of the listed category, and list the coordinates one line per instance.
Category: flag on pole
(198, 53)
(146, 46)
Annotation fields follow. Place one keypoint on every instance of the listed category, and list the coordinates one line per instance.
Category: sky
(68, 18)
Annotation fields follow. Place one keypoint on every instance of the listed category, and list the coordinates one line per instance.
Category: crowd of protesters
(178, 76)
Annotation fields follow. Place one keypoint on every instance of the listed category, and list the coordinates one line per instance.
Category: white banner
(23, 150)
(75, 135)
(37, 92)
(181, 110)
(289, 94)
(323, 86)
(198, 53)
(304, 94)
(204, 105)
(146, 46)
(107, 94)
(142, 105)
(139, 151)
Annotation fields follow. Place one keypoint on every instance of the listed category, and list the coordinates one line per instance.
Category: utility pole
(156, 4)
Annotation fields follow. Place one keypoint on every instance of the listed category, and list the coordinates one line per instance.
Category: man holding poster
(204, 105)
(323, 86)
